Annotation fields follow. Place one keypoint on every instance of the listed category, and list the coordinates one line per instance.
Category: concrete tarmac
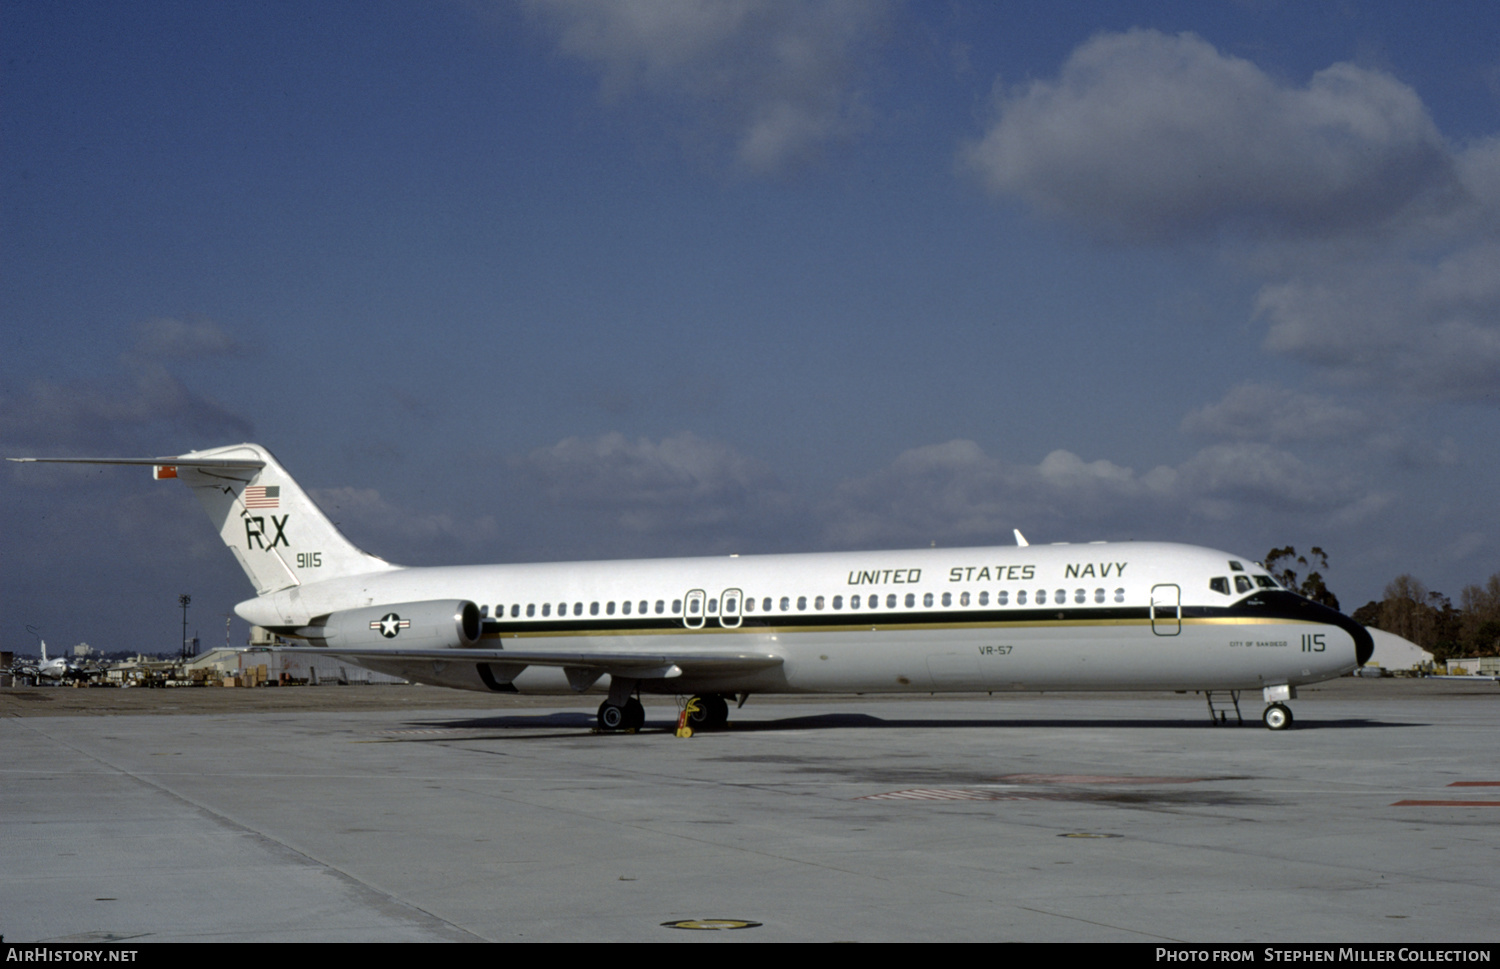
(411, 814)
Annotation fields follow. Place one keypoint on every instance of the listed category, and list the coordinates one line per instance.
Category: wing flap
(638, 665)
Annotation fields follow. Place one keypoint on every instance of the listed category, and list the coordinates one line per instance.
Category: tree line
(1408, 609)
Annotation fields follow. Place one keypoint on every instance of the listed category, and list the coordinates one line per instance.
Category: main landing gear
(629, 715)
(708, 712)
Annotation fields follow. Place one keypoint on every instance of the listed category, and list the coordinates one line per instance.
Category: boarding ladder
(1219, 708)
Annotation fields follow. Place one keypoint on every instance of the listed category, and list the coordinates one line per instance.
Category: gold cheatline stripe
(893, 627)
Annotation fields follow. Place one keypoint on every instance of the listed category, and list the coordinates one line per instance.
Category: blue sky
(565, 280)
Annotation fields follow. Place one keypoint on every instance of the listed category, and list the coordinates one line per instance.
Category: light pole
(183, 601)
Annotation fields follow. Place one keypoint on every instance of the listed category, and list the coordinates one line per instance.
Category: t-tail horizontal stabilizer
(280, 537)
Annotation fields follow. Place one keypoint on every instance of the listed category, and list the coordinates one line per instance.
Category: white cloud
(363, 510)
(778, 76)
(1257, 412)
(1378, 243)
(1422, 326)
(164, 338)
(1251, 473)
(1149, 137)
(645, 486)
(955, 493)
(144, 403)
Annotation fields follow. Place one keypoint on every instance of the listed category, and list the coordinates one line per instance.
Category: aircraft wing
(627, 663)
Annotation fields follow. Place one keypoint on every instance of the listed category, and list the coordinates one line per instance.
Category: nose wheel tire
(1277, 717)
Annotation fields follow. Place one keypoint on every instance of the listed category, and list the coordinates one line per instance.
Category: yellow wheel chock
(691, 707)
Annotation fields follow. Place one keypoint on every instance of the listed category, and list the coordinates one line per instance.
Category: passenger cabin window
(1041, 597)
(1119, 595)
(801, 603)
(546, 609)
(625, 607)
(1098, 595)
(890, 601)
(838, 602)
(692, 607)
(676, 606)
(927, 600)
(947, 598)
(911, 600)
(1020, 597)
(818, 603)
(1081, 596)
(984, 599)
(1220, 584)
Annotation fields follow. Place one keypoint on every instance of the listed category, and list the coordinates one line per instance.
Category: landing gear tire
(712, 713)
(611, 717)
(629, 716)
(1277, 717)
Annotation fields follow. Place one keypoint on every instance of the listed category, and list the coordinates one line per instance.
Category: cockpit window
(1242, 584)
(1266, 582)
(1235, 566)
(1219, 584)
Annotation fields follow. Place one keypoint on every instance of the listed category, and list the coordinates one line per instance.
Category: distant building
(251, 667)
(1393, 652)
(1474, 666)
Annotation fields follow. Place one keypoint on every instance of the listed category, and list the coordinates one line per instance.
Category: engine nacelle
(437, 624)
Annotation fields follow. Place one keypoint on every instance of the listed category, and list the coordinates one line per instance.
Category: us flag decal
(263, 496)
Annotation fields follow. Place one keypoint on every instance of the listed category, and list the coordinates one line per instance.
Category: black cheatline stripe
(1271, 606)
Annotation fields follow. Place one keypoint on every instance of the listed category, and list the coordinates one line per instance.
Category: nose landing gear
(1278, 716)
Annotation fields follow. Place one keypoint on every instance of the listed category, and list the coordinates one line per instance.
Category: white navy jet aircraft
(1097, 616)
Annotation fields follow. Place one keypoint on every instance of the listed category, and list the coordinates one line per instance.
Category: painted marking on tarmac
(435, 732)
(1446, 804)
(1093, 779)
(948, 794)
(710, 925)
(1475, 784)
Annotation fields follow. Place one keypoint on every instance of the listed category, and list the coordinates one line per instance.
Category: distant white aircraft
(54, 668)
(1098, 616)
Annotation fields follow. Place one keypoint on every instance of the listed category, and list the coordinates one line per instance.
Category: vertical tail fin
(280, 537)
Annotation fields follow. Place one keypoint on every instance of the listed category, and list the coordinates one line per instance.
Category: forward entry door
(1166, 609)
